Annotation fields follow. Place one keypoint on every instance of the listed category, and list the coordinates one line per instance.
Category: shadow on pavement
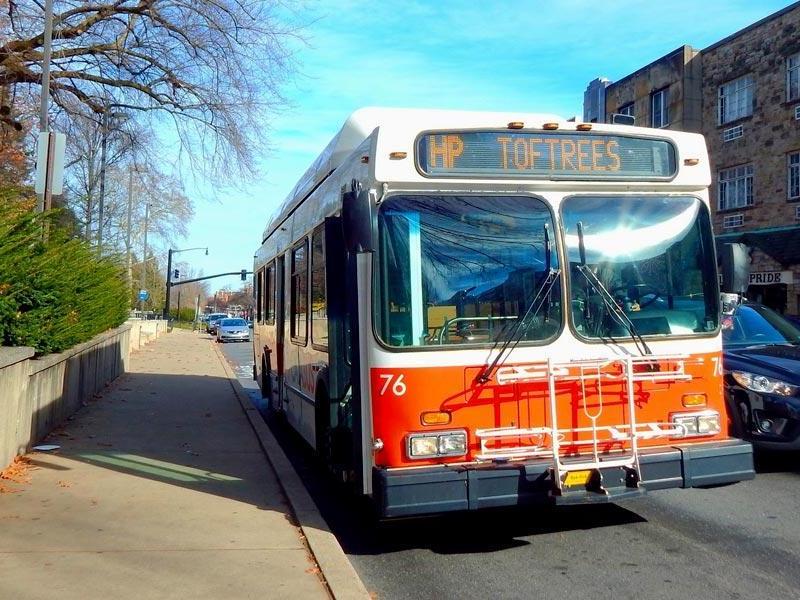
(353, 521)
(775, 461)
(184, 430)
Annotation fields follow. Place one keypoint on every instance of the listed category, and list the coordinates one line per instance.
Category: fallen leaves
(17, 472)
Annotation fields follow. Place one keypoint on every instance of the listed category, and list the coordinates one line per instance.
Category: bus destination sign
(546, 155)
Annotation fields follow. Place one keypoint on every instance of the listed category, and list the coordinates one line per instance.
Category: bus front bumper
(417, 491)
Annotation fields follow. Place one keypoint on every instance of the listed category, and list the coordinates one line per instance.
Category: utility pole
(103, 150)
(144, 252)
(128, 234)
(45, 101)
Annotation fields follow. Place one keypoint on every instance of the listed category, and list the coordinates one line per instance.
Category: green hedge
(57, 293)
(187, 314)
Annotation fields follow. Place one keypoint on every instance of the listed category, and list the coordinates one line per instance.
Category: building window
(626, 109)
(299, 299)
(793, 77)
(319, 306)
(736, 99)
(797, 212)
(659, 108)
(735, 187)
(731, 221)
(794, 176)
(732, 133)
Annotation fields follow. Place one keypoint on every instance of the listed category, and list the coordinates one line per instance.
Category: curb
(341, 578)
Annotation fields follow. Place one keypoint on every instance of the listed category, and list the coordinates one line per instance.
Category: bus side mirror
(735, 268)
(357, 221)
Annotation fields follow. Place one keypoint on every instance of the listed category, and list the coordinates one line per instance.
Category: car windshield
(753, 324)
(654, 255)
(233, 323)
(462, 269)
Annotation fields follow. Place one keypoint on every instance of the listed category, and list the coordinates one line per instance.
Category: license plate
(577, 478)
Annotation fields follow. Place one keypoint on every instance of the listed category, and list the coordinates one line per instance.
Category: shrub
(187, 314)
(55, 293)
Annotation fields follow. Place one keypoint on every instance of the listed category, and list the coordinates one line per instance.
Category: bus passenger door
(280, 324)
(334, 415)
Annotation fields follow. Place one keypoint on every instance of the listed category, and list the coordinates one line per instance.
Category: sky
(526, 56)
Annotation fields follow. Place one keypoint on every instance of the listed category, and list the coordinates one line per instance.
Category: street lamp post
(170, 252)
(128, 265)
(144, 254)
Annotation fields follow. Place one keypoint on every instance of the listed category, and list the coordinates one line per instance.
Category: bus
(461, 310)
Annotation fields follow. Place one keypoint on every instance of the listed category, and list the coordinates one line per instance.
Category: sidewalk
(160, 490)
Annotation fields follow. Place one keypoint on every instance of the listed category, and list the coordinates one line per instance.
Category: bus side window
(259, 295)
(319, 308)
(269, 295)
(299, 299)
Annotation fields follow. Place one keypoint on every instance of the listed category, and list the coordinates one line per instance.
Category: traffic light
(176, 274)
(244, 274)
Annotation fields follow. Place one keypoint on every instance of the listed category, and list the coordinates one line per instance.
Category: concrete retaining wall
(36, 394)
(144, 332)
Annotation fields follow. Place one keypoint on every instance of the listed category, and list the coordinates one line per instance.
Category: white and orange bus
(461, 310)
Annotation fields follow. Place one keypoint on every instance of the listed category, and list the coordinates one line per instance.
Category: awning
(781, 243)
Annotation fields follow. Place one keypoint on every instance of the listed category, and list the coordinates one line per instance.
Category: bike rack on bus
(547, 442)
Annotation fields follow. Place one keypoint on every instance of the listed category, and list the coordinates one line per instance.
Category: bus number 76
(398, 387)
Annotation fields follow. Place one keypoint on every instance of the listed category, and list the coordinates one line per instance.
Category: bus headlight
(708, 424)
(435, 444)
(765, 385)
(453, 444)
(699, 423)
(423, 446)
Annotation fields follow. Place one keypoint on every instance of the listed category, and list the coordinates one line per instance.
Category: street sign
(143, 295)
(54, 160)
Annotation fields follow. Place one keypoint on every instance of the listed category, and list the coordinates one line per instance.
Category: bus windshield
(654, 255)
(458, 270)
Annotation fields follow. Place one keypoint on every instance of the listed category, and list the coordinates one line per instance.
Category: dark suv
(761, 357)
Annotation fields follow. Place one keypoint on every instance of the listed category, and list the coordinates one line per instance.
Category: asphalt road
(740, 541)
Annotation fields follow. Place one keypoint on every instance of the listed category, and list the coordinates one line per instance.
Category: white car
(233, 330)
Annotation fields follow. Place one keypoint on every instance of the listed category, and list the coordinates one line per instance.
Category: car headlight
(435, 444)
(763, 384)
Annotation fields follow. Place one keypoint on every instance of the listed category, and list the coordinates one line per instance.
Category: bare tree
(213, 67)
(170, 213)
(84, 167)
(189, 292)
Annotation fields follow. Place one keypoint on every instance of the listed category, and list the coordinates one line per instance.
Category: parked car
(793, 319)
(213, 319)
(761, 358)
(233, 330)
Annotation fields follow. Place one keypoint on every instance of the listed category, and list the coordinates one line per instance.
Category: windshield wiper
(520, 328)
(608, 300)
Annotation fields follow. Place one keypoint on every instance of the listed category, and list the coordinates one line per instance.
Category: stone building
(743, 94)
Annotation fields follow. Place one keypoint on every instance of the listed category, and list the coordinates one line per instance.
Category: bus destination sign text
(544, 155)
